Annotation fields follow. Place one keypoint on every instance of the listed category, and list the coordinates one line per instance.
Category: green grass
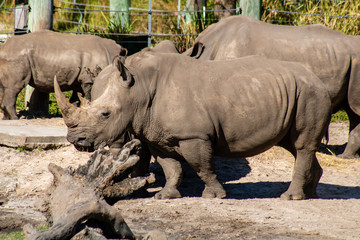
(334, 8)
(18, 235)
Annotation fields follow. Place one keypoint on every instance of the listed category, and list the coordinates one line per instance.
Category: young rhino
(189, 109)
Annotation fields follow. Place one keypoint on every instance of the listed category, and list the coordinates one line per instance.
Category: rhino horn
(84, 102)
(70, 112)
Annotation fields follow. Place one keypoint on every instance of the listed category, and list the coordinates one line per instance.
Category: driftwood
(79, 199)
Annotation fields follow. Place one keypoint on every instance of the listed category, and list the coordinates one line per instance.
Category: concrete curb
(25, 134)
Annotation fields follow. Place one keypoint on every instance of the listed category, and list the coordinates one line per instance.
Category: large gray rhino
(36, 57)
(189, 109)
(333, 56)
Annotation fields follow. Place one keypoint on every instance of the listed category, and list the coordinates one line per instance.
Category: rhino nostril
(83, 142)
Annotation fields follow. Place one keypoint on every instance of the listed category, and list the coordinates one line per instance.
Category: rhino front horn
(70, 112)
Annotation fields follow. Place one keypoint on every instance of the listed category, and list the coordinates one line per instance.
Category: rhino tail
(326, 136)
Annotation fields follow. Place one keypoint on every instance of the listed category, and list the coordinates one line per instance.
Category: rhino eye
(105, 113)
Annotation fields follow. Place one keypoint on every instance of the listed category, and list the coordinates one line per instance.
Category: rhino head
(104, 120)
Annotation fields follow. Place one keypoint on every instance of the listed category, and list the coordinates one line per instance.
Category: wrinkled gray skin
(165, 46)
(189, 109)
(333, 56)
(36, 57)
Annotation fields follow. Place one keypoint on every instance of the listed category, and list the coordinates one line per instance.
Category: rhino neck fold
(143, 94)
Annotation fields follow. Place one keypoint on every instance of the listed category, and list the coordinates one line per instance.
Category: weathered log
(76, 217)
(78, 196)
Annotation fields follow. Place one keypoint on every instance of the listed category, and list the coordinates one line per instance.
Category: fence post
(149, 24)
(252, 8)
(21, 16)
(40, 17)
(122, 17)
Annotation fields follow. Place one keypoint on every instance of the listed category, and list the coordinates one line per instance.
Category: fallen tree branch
(78, 197)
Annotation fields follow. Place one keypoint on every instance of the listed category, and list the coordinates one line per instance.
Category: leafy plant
(339, 116)
(114, 29)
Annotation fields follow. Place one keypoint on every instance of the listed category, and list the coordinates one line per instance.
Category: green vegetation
(53, 107)
(18, 235)
(321, 7)
(339, 116)
(98, 21)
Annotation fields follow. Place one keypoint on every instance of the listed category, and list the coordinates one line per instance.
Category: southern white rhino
(35, 58)
(183, 108)
(333, 56)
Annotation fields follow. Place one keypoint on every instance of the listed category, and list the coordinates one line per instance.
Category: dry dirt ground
(252, 209)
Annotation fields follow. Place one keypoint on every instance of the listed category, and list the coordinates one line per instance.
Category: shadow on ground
(332, 149)
(229, 170)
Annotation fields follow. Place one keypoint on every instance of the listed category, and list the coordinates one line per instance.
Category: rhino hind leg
(305, 177)
(199, 154)
(353, 145)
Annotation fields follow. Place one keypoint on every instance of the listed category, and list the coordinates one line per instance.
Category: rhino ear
(197, 50)
(123, 52)
(127, 78)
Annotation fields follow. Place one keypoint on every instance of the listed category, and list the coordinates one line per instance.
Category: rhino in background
(36, 57)
(165, 46)
(333, 56)
(183, 108)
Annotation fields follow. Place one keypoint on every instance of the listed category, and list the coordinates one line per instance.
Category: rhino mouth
(84, 145)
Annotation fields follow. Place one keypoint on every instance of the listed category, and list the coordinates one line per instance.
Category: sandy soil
(252, 209)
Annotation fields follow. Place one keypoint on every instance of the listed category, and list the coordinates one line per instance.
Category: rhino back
(67, 56)
(243, 105)
(324, 51)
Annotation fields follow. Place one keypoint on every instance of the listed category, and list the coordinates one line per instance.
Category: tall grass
(101, 23)
(7, 17)
(323, 7)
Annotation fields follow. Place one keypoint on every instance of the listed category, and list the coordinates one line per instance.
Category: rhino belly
(247, 139)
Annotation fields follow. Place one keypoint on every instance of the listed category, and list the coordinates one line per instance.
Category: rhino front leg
(8, 104)
(307, 173)
(199, 154)
(173, 174)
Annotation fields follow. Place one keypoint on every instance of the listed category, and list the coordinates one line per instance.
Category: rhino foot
(214, 192)
(168, 194)
(292, 196)
(8, 117)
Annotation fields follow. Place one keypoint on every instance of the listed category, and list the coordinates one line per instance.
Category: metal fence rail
(148, 18)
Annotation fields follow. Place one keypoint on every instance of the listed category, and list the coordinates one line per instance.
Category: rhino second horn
(84, 102)
(70, 112)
